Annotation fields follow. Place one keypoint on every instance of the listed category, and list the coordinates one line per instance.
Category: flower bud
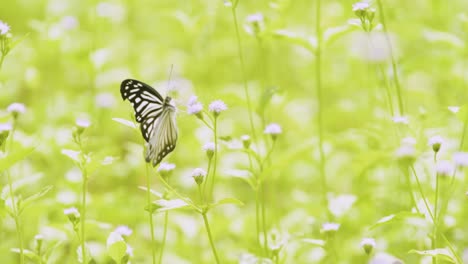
(246, 141)
(165, 169)
(15, 109)
(436, 142)
(198, 175)
(209, 149)
(368, 244)
(73, 215)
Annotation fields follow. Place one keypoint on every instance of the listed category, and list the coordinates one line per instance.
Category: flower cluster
(366, 15)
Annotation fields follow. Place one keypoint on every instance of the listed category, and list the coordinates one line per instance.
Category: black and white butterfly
(157, 118)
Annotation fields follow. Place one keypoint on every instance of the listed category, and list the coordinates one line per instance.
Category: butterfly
(157, 118)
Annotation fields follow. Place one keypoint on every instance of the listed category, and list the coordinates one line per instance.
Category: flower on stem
(199, 175)
(165, 169)
(365, 13)
(368, 244)
(73, 215)
(209, 149)
(255, 24)
(444, 168)
(436, 142)
(246, 141)
(330, 228)
(273, 130)
(15, 109)
(194, 107)
(123, 230)
(5, 129)
(400, 120)
(81, 125)
(461, 159)
(38, 239)
(216, 107)
(4, 28)
(406, 154)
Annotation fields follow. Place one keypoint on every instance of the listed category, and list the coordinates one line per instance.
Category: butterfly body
(157, 118)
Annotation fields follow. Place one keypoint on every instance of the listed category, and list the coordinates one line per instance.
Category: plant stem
(163, 243)
(244, 77)
(205, 183)
(394, 66)
(436, 220)
(318, 84)
(83, 216)
(150, 214)
(215, 157)
(207, 226)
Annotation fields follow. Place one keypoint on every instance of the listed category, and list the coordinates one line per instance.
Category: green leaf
(34, 197)
(244, 175)
(439, 253)
(395, 217)
(29, 180)
(167, 205)
(125, 122)
(226, 201)
(309, 43)
(18, 154)
(116, 247)
(153, 192)
(266, 98)
(444, 38)
(28, 253)
(315, 242)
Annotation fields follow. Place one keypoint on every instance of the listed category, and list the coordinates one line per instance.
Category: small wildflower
(273, 129)
(198, 175)
(400, 120)
(330, 228)
(113, 238)
(194, 107)
(444, 168)
(69, 22)
(129, 251)
(368, 244)
(209, 149)
(454, 109)
(38, 239)
(406, 154)
(216, 107)
(461, 159)
(15, 109)
(360, 6)
(73, 215)
(165, 169)
(123, 230)
(436, 142)
(105, 100)
(411, 141)
(255, 24)
(4, 28)
(81, 125)
(246, 141)
(5, 129)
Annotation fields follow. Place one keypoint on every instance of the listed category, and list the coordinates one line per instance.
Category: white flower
(405, 152)
(461, 159)
(436, 142)
(165, 166)
(5, 127)
(123, 230)
(255, 18)
(69, 22)
(330, 227)
(72, 211)
(105, 100)
(217, 106)
(273, 129)
(39, 237)
(444, 168)
(400, 120)
(360, 6)
(245, 141)
(411, 141)
(113, 238)
(454, 109)
(198, 175)
(82, 123)
(368, 244)
(194, 107)
(129, 251)
(16, 108)
(4, 28)
(210, 146)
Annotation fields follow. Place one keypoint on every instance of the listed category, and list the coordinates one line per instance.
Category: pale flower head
(454, 109)
(82, 123)
(123, 230)
(368, 244)
(16, 108)
(165, 169)
(400, 120)
(216, 107)
(436, 142)
(194, 107)
(198, 175)
(4, 28)
(246, 141)
(444, 168)
(406, 153)
(273, 130)
(360, 6)
(330, 227)
(461, 159)
(209, 149)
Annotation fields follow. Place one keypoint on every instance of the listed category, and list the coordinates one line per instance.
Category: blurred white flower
(82, 123)
(69, 22)
(210, 146)
(165, 169)
(194, 107)
(5, 127)
(123, 230)
(368, 244)
(198, 175)
(16, 108)
(444, 168)
(273, 129)
(400, 120)
(217, 106)
(113, 11)
(105, 100)
(330, 227)
(38, 237)
(360, 6)
(4, 28)
(409, 141)
(245, 141)
(406, 152)
(454, 109)
(72, 211)
(461, 159)
(436, 142)
(129, 250)
(113, 238)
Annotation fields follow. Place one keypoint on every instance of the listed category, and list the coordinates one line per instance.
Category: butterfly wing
(147, 103)
(164, 139)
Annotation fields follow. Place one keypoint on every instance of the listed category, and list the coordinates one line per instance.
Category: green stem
(257, 202)
(150, 214)
(83, 216)
(163, 243)
(241, 59)
(207, 226)
(215, 135)
(410, 188)
(436, 220)
(318, 83)
(394, 66)
(205, 183)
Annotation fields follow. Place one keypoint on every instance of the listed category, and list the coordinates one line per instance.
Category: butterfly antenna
(170, 76)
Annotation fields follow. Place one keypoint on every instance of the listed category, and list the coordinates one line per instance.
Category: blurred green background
(74, 54)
